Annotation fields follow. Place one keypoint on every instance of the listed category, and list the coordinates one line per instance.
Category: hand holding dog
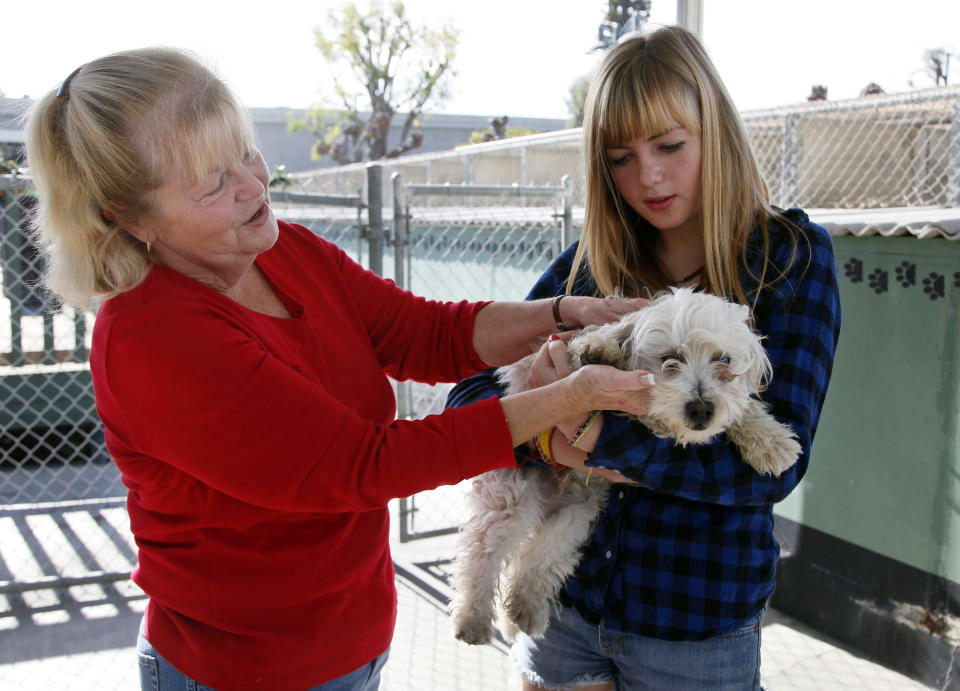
(505, 332)
(551, 364)
(578, 311)
(606, 384)
(569, 395)
(551, 361)
(601, 387)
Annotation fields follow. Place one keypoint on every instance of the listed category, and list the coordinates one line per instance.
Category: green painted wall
(885, 470)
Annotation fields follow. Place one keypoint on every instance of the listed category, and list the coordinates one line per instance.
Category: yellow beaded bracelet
(543, 445)
(542, 442)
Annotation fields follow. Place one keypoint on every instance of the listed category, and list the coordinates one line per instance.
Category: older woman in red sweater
(240, 368)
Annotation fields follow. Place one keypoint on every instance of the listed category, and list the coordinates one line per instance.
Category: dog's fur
(708, 367)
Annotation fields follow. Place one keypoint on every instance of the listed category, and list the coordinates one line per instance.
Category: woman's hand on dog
(551, 362)
(555, 394)
(599, 386)
(584, 311)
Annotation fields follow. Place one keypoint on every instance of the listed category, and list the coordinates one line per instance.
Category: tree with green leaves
(576, 100)
(381, 65)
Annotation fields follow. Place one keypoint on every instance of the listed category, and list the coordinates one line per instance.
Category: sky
(515, 57)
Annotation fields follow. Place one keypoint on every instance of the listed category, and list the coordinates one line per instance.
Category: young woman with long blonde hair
(672, 585)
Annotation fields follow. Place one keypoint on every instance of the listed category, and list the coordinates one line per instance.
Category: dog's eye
(672, 362)
(722, 358)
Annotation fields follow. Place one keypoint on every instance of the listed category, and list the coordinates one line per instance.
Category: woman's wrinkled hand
(607, 388)
(601, 387)
(551, 362)
(584, 311)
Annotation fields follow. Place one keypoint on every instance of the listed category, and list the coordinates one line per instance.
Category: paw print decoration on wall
(934, 285)
(878, 281)
(853, 270)
(907, 274)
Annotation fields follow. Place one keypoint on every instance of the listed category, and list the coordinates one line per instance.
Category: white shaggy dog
(708, 367)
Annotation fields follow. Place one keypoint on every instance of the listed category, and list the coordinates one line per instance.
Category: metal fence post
(375, 217)
(407, 508)
(399, 230)
(953, 158)
(567, 237)
(15, 266)
(788, 163)
(523, 165)
(400, 242)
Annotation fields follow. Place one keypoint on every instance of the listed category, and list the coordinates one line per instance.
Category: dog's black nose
(699, 413)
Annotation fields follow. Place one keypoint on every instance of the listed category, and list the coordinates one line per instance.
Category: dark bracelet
(558, 320)
(582, 429)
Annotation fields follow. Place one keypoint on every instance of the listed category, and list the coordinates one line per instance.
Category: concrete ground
(82, 637)
(92, 651)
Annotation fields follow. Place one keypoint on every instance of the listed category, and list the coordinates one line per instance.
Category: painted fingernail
(554, 337)
(648, 379)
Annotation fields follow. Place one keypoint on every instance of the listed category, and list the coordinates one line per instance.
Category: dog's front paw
(529, 614)
(767, 445)
(774, 455)
(595, 348)
(474, 631)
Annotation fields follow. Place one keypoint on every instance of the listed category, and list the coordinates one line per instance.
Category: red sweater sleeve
(414, 338)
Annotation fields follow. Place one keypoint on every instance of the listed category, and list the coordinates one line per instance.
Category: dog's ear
(647, 333)
(629, 339)
(758, 369)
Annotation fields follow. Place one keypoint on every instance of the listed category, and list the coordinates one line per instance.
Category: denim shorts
(156, 674)
(575, 653)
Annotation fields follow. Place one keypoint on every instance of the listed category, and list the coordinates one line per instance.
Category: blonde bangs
(219, 138)
(644, 103)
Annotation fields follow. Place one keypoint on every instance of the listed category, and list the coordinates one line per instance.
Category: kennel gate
(475, 242)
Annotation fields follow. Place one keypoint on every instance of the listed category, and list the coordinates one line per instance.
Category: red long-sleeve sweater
(260, 453)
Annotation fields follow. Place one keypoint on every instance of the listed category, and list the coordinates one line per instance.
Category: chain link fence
(51, 443)
(877, 151)
(65, 547)
(479, 222)
(872, 152)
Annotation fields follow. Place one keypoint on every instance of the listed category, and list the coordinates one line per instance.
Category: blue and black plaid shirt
(690, 552)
